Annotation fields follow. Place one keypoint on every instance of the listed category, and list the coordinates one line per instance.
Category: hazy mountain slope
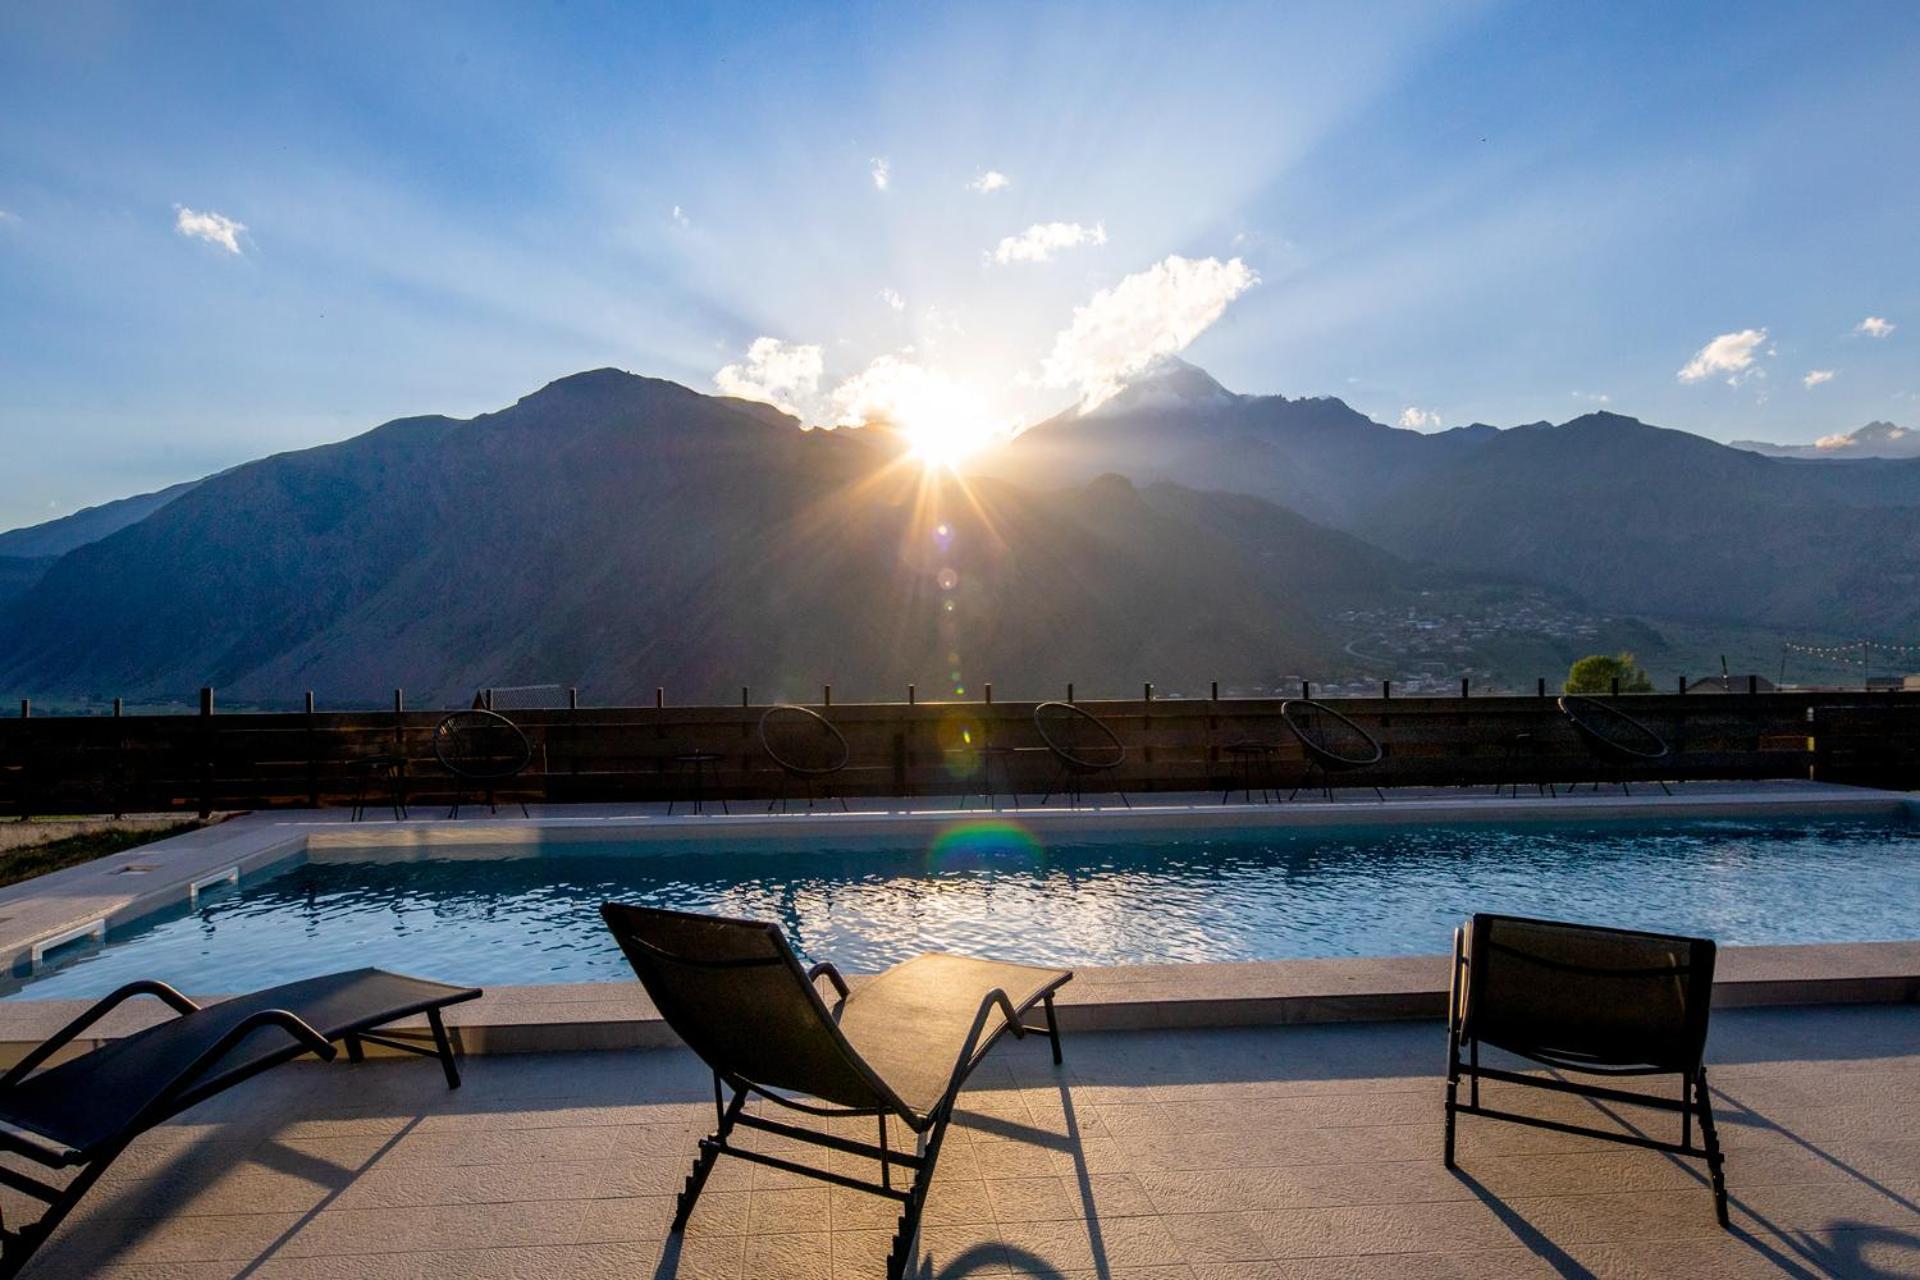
(621, 532)
(57, 537)
(1642, 519)
(1316, 456)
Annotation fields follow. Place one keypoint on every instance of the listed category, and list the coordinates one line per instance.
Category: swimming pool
(526, 913)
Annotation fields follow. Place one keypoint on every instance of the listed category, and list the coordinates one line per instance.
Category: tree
(1596, 673)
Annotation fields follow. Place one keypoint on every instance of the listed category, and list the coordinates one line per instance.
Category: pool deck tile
(1227, 1154)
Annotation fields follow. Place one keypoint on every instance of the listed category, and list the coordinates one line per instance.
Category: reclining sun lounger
(1585, 999)
(901, 1046)
(83, 1112)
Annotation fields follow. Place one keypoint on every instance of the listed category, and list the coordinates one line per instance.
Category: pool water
(991, 887)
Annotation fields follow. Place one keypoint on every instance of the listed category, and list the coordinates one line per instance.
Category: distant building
(1731, 684)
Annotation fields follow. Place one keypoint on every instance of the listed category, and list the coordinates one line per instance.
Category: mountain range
(1875, 440)
(619, 533)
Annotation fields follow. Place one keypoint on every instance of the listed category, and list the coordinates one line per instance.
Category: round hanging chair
(481, 747)
(1078, 738)
(1330, 739)
(806, 746)
(804, 743)
(1611, 733)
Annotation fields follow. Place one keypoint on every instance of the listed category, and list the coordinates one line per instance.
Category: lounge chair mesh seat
(84, 1111)
(1586, 999)
(900, 1046)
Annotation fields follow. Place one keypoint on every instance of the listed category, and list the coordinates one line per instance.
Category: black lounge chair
(1082, 744)
(1614, 738)
(901, 1046)
(481, 749)
(83, 1112)
(1333, 743)
(1581, 998)
(808, 749)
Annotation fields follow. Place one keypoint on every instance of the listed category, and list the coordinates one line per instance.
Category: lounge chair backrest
(735, 992)
(1584, 996)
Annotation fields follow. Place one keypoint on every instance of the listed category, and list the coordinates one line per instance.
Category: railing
(250, 760)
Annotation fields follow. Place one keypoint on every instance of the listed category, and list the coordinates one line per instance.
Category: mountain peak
(1168, 383)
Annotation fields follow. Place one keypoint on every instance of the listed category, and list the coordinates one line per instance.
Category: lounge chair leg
(444, 1047)
(356, 1052)
(19, 1246)
(703, 1163)
(906, 1238)
(1053, 1030)
(1710, 1139)
(1453, 1042)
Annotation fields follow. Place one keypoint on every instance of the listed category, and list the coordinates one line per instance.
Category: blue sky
(1445, 213)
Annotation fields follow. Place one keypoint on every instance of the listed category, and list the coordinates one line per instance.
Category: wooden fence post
(313, 764)
(206, 747)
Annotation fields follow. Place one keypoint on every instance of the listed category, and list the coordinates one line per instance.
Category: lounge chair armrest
(970, 1051)
(105, 1005)
(832, 975)
(188, 1087)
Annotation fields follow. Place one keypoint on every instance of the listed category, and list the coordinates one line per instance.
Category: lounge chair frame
(1693, 1102)
(1076, 764)
(188, 1087)
(732, 1091)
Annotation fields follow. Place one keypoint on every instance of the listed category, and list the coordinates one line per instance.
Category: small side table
(983, 776)
(702, 763)
(379, 769)
(1252, 764)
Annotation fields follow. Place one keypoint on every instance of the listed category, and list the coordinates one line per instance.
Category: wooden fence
(141, 763)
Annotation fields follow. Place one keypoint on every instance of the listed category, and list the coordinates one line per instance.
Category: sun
(943, 419)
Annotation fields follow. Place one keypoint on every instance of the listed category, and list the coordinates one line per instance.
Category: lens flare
(984, 842)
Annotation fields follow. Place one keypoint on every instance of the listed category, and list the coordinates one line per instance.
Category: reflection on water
(992, 888)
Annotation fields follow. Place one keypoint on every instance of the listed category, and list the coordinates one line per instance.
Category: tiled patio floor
(1202, 1155)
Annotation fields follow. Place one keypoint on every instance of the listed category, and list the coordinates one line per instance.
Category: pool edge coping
(578, 1017)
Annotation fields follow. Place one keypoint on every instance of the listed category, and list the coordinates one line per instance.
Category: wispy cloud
(1730, 353)
(1416, 419)
(7, 215)
(214, 228)
(680, 218)
(1151, 313)
(881, 172)
(893, 299)
(1815, 377)
(1041, 241)
(1593, 397)
(1875, 326)
(990, 181)
(780, 373)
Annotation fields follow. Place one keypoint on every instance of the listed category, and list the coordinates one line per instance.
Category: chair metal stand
(1067, 782)
(824, 792)
(1519, 749)
(1326, 782)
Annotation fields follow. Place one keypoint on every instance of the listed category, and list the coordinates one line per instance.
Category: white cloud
(680, 218)
(1039, 242)
(1415, 419)
(882, 173)
(893, 299)
(1593, 397)
(990, 181)
(1875, 326)
(1815, 377)
(7, 215)
(1150, 313)
(941, 419)
(1730, 353)
(214, 228)
(774, 371)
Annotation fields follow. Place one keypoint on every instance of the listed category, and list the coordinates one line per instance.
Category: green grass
(37, 860)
